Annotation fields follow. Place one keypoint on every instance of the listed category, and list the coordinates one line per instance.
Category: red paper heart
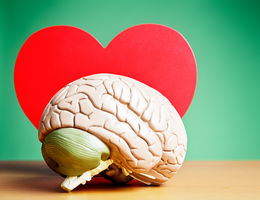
(55, 56)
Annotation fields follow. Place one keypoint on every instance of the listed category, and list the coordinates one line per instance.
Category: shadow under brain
(36, 176)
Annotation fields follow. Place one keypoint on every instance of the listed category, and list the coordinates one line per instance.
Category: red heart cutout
(55, 56)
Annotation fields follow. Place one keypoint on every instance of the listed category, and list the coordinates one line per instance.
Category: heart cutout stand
(55, 56)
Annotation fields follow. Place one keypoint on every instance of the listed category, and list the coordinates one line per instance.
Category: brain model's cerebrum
(113, 125)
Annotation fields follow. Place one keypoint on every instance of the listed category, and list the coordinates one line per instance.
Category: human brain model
(113, 123)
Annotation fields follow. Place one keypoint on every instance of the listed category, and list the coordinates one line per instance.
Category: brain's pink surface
(144, 132)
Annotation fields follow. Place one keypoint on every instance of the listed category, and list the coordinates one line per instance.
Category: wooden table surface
(196, 180)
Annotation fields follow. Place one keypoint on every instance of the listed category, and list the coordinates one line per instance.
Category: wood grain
(196, 180)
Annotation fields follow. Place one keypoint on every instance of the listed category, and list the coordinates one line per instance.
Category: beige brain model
(143, 131)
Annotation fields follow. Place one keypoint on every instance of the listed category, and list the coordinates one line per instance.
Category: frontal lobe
(144, 132)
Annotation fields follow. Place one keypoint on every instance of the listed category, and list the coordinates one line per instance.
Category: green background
(223, 120)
